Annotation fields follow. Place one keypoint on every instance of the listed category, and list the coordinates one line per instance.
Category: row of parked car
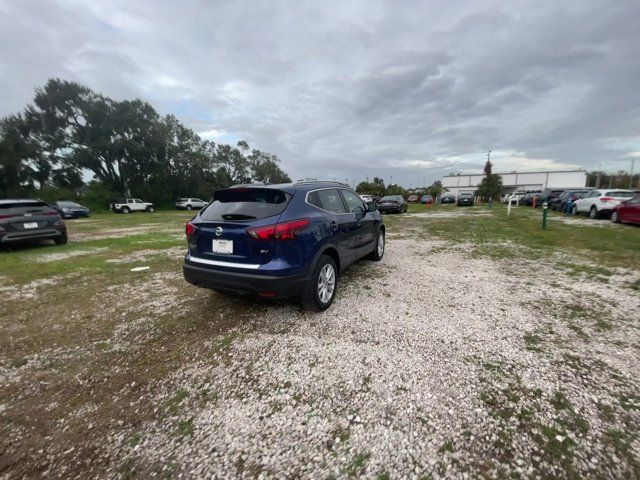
(620, 205)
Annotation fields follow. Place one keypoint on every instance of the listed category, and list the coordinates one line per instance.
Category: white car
(366, 198)
(127, 205)
(601, 202)
(190, 203)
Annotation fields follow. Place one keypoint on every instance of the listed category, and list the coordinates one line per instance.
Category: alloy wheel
(326, 283)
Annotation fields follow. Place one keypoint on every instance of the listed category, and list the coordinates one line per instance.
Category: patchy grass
(495, 234)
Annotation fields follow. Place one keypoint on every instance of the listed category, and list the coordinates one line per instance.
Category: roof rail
(311, 182)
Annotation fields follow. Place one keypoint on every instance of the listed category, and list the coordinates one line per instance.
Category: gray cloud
(348, 88)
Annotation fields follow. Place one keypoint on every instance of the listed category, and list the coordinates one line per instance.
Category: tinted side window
(353, 202)
(328, 200)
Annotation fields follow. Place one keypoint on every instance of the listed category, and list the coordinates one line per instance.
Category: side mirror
(372, 207)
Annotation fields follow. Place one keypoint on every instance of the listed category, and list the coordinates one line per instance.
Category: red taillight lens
(606, 199)
(51, 213)
(280, 231)
(189, 228)
(7, 216)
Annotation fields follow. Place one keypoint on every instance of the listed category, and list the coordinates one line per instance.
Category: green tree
(491, 185)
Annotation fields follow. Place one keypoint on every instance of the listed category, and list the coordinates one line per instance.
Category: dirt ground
(440, 361)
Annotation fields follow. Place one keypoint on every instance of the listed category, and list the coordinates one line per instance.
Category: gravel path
(429, 364)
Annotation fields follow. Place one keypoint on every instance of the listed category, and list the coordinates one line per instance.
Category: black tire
(615, 217)
(310, 297)
(61, 240)
(125, 210)
(188, 207)
(593, 213)
(150, 209)
(378, 253)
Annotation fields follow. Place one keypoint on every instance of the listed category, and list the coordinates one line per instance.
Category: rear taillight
(189, 228)
(280, 231)
(7, 216)
(50, 213)
(606, 199)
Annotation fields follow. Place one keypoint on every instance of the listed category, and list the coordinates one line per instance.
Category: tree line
(378, 188)
(70, 132)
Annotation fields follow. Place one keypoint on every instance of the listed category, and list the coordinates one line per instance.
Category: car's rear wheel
(378, 251)
(593, 213)
(188, 207)
(319, 293)
(61, 240)
(149, 209)
(615, 217)
(125, 210)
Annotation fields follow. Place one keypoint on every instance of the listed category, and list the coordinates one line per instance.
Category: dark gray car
(25, 219)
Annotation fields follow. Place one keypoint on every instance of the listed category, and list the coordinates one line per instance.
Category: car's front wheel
(188, 207)
(149, 209)
(321, 289)
(378, 251)
(125, 210)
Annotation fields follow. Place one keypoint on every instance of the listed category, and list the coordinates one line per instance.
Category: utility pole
(489, 156)
(633, 161)
(598, 177)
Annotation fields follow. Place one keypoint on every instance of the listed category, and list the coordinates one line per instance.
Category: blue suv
(279, 241)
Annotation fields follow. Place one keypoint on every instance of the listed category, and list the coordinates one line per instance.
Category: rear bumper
(25, 236)
(266, 286)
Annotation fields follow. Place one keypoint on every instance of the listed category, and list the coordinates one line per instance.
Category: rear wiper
(237, 216)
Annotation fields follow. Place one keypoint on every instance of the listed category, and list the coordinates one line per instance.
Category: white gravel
(429, 363)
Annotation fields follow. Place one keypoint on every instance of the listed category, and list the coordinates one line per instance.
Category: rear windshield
(69, 204)
(245, 204)
(392, 198)
(621, 194)
(33, 204)
(466, 194)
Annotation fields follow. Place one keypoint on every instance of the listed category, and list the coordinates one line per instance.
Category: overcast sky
(342, 88)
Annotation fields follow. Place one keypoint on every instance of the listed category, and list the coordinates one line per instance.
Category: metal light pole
(633, 161)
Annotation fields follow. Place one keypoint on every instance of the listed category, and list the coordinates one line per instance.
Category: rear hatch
(616, 197)
(27, 216)
(221, 229)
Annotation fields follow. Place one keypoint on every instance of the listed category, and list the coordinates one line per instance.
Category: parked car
(128, 205)
(529, 197)
(628, 211)
(413, 198)
(465, 198)
(30, 219)
(426, 199)
(515, 197)
(366, 198)
(392, 203)
(560, 202)
(68, 209)
(447, 198)
(601, 202)
(190, 203)
(278, 241)
(549, 194)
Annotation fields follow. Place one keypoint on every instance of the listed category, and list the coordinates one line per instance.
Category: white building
(514, 181)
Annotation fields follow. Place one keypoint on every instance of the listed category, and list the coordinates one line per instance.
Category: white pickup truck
(128, 205)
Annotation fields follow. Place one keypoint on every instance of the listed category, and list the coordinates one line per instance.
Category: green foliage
(70, 132)
(491, 185)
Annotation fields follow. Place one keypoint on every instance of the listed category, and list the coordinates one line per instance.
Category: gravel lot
(435, 363)
(423, 367)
